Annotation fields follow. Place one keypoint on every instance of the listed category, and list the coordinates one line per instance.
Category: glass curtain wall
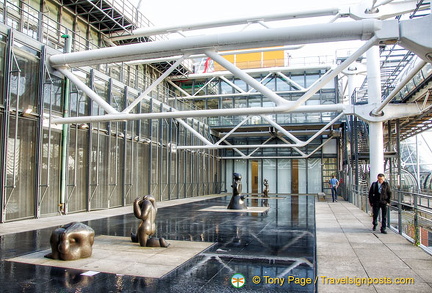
(108, 164)
(279, 174)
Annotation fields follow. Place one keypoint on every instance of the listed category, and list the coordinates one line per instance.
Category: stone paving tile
(347, 247)
(118, 255)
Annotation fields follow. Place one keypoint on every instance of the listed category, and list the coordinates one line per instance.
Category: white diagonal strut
(88, 91)
(155, 84)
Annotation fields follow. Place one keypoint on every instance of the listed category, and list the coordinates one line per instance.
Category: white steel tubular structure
(371, 31)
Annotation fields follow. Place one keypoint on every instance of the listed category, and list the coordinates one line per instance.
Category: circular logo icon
(238, 280)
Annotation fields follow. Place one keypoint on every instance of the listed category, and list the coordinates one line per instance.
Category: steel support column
(376, 133)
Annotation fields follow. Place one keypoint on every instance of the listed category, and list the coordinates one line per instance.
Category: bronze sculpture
(145, 209)
(265, 193)
(71, 241)
(237, 200)
(266, 188)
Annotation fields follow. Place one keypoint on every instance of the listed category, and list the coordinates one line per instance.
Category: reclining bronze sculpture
(71, 241)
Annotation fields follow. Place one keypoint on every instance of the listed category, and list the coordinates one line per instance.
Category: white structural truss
(371, 28)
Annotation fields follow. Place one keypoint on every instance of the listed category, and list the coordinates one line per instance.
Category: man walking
(379, 198)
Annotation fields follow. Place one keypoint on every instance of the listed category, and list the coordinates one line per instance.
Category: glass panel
(302, 182)
(114, 167)
(78, 165)
(314, 176)
(30, 18)
(164, 174)
(51, 26)
(23, 82)
(50, 172)
(225, 88)
(181, 173)
(99, 166)
(154, 190)
(20, 171)
(283, 178)
(282, 85)
(2, 59)
(67, 21)
(78, 102)
(142, 172)
(117, 98)
(310, 79)
(241, 84)
(270, 82)
(94, 39)
(299, 79)
(80, 37)
(52, 95)
(269, 172)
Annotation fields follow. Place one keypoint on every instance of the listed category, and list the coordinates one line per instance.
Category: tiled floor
(353, 258)
(271, 245)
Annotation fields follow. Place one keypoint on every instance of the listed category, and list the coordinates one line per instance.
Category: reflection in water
(280, 243)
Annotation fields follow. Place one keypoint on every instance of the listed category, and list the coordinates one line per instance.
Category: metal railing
(410, 214)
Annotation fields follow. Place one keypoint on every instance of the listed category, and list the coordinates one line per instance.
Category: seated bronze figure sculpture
(71, 241)
(237, 200)
(145, 209)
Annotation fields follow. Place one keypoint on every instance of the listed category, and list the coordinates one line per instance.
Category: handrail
(407, 205)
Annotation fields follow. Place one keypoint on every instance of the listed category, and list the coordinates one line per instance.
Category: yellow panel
(254, 60)
(248, 57)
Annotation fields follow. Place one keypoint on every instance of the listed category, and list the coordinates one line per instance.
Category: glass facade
(103, 165)
(50, 169)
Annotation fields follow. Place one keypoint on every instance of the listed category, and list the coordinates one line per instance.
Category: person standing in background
(334, 183)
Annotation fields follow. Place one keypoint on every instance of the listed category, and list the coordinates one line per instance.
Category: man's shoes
(384, 231)
(374, 227)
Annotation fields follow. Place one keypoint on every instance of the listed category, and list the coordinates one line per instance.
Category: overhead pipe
(200, 113)
(252, 71)
(88, 91)
(299, 143)
(232, 130)
(151, 31)
(233, 52)
(154, 84)
(281, 129)
(290, 81)
(266, 133)
(333, 73)
(265, 91)
(283, 106)
(193, 131)
(378, 110)
(302, 156)
(279, 101)
(317, 33)
(63, 207)
(243, 94)
(255, 150)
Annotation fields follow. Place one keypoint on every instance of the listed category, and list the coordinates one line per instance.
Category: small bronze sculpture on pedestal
(266, 188)
(265, 193)
(237, 200)
(71, 241)
(145, 209)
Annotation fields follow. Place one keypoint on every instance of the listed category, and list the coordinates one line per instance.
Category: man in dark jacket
(379, 198)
